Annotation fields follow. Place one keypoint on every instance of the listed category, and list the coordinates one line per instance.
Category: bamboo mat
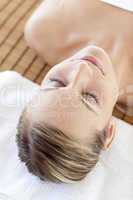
(14, 53)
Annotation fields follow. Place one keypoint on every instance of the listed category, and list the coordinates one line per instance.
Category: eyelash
(91, 95)
(57, 81)
(85, 94)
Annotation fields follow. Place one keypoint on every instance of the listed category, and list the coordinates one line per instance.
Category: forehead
(71, 119)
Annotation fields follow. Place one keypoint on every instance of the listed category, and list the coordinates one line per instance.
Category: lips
(95, 62)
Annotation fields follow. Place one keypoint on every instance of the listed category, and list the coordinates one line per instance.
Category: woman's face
(77, 95)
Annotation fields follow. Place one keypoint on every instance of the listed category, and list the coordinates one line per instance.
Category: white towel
(112, 178)
(124, 4)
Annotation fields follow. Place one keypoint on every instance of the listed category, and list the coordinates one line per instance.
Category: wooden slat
(14, 52)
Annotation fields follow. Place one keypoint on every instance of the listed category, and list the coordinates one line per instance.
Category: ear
(110, 133)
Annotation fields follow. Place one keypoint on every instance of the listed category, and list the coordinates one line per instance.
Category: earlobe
(111, 130)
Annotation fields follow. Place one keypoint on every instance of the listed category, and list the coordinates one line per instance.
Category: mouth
(93, 60)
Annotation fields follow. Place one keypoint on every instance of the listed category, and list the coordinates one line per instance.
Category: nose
(81, 75)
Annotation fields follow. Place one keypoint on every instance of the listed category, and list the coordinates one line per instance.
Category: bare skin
(58, 30)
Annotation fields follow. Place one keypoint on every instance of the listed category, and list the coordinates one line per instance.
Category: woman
(64, 128)
(59, 29)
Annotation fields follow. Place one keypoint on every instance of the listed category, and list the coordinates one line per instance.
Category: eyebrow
(82, 99)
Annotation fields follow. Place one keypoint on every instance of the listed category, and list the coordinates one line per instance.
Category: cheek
(106, 90)
(112, 91)
(58, 71)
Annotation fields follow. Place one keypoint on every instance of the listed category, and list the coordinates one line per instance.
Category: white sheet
(111, 179)
(124, 4)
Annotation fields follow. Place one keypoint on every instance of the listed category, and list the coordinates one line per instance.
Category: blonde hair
(51, 155)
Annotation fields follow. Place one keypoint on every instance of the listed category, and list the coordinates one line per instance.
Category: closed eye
(90, 97)
(57, 82)
(86, 98)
